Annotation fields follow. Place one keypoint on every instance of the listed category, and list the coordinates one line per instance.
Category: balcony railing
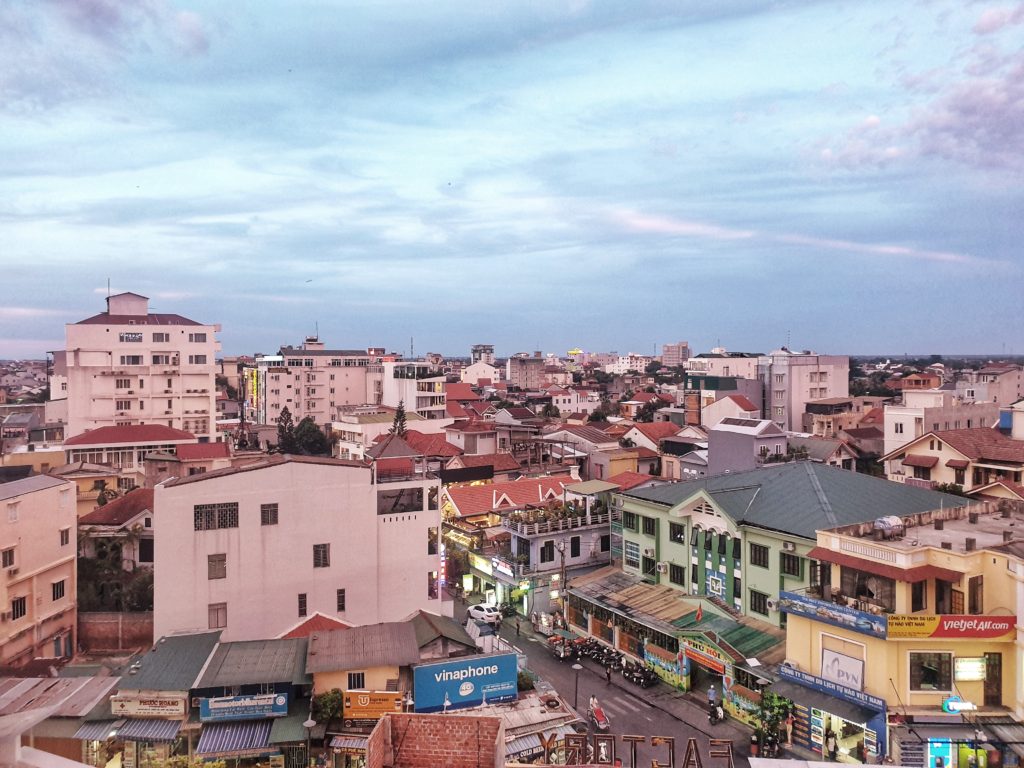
(836, 596)
(526, 528)
(917, 482)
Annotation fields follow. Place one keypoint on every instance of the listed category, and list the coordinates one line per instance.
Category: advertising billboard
(922, 627)
(367, 707)
(243, 707)
(833, 613)
(465, 682)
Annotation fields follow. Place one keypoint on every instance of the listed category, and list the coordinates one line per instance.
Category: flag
(700, 612)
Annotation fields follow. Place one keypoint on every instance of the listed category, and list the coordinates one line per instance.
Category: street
(655, 711)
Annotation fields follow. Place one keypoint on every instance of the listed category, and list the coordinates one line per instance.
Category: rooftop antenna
(411, 356)
(108, 287)
(316, 329)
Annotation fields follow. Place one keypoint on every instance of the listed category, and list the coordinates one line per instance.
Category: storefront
(480, 580)
(841, 724)
(348, 751)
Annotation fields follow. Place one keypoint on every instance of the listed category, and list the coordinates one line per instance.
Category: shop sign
(502, 567)
(955, 704)
(243, 707)
(362, 707)
(148, 706)
(831, 613)
(967, 668)
(465, 682)
(277, 761)
(705, 654)
(832, 688)
(482, 564)
(916, 627)
(842, 669)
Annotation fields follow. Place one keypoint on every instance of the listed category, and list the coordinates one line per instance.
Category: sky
(549, 174)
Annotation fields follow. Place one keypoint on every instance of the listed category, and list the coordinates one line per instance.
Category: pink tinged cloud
(191, 33)
(664, 225)
(995, 19)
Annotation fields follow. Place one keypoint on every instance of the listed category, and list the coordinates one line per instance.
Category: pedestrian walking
(608, 675)
(711, 696)
(517, 626)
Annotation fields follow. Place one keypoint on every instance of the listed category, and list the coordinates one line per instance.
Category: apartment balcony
(522, 523)
(917, 482)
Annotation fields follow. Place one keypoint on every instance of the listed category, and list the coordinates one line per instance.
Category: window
(321, 555)
(649, 525)
(197, 337)
(217, 614)
(629, 520)
(676, 574)
(708, 534)
(631, 554)
(268, 514)
(758, 602)
(976, 595)
(759, 555)
(431, 541)
(677, 532)
(606, 543)
(209, 517)
(145, 550)
(898, 428)
(12, 511)
(648, 566)
(574, 546)
(341, 601)
(302, 604)
(918, 596)
(122, 405)
(7, 558)
(123, 383)
(161, 338)
(217, 566)
(694, 575)
(197, 359)
(126, 338)
(57, 589)
(432, 585)
(161, 359)
(790, 564)
(737, 587)
(931, 671)
(356, 681)
(547, 551)
(65, 536)
(131, 359)
(19, 607)
(780, 378)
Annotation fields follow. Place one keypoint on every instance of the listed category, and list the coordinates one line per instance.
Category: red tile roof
(502, 462)
(200, 451)
(480, 499)
(455, 411)
(982, 443)
(431, 445)
(120, 511)
(657, 430)
(643, 452)
(318, 622)
(460, 391)
(628, 480)
(743, 403)
(472, 426)
(151, 319)
(874, 416)
(132, 434)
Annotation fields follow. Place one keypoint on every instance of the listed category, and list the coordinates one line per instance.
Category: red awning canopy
(958, 463)
(912, 575)
(913, 460)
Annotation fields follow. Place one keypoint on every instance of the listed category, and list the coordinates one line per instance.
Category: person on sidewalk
(711, 696)
(608, 675)
(517, 626)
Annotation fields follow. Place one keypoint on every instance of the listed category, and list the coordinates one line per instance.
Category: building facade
(792, 379)
(932, 410)
(130, 366)
(675, 355)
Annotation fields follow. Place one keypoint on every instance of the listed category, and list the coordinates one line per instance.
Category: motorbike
(716, 714)
(562, 648)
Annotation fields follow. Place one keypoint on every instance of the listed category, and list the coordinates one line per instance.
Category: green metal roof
(802, 497)
(173, 664)
(257, 661)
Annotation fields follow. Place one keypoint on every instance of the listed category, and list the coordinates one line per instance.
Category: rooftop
(120, 511)
(152, 318)
(269, 462)
(30, 484)
(256, 661)
(173, 664)
(373, 645)
(133, 434)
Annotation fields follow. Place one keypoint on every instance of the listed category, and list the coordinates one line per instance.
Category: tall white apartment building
(791, 379)
(417, 385)
(253, 550)
(130, 366)
(482, 353)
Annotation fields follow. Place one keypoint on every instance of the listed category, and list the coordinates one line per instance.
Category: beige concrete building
(130, 366)
(38, 581)
(792, 379)
(932, 410)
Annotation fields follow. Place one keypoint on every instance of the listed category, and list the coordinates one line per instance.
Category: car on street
(483, 612)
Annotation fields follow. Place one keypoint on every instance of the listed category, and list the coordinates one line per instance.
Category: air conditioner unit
(195, 702)
(131, 391)
(788, 546)
(648, 552)
(773, 604)
(662, 567)
(12, 572)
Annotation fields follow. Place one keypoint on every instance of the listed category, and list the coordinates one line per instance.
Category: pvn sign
(465, 682)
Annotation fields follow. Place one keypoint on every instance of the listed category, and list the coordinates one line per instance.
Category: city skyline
(546, 175)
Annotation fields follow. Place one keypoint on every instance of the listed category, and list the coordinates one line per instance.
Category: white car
(482, 612)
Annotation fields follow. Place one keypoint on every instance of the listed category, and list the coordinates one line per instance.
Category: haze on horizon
(547, 175)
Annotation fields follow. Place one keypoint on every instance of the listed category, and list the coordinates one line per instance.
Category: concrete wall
(102, 631)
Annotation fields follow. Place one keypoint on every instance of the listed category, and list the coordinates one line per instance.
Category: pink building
(38, 582)
(130, 366)
(254, 549)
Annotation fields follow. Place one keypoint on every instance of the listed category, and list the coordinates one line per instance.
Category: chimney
(1007, 535)
(939, 524)
(972, 518)
(970, 544)
(947, 545)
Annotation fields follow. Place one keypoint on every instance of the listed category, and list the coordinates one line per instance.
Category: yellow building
(907, 645)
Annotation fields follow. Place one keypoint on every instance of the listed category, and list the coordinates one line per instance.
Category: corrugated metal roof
(29, 485)
(375, 645)
(786, 497)
(173, 664)
(255, 661)
(74, 696)
(430, 626)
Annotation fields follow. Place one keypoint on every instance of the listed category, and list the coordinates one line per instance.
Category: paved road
(654, 711)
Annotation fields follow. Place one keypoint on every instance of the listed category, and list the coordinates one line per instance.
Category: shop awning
(958, 463)
(809, 697)
(239, 739)
(916, 460)
(349, 742)
(149, 730)
(98, 730)
(915, 574)
(1010, 734)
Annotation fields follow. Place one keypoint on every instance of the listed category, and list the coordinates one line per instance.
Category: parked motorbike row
(589, 648)
(639, 674)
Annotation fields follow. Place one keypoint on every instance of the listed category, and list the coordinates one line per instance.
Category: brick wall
(114, 631)
(448, 741)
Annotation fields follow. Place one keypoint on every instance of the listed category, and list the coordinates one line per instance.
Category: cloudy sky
(533, 174)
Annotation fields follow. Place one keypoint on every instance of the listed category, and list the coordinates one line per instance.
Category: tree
(398, 426)
(310, 439)
(550, 411)
(286, 433)
(647, 410)
(328, 706)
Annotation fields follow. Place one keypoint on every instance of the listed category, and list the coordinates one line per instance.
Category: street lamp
(576, 692)
(309, 725)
